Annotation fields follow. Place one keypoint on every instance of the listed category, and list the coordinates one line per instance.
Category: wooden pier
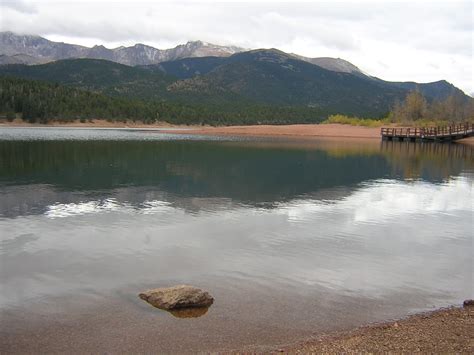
(436, 134)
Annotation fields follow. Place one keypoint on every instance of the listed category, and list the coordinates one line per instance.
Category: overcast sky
(396, 40)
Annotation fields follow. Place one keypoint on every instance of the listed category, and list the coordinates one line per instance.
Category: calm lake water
(292, 238)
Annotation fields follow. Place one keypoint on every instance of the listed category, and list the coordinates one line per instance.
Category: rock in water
(468, 303)
(177, 297)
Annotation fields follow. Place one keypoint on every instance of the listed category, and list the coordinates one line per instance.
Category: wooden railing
(429, 132)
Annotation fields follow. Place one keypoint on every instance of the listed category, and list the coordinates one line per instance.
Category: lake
(291, 237)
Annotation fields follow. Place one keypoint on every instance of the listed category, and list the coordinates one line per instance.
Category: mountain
(38, 50)
(96, 75)
(275, 78)
(200, 49)
(141, 54)
(19, 59)
(196, 82)
(333, 64)
(195, 58)
(43, 50)
(259, 77)
(188, 67)
(38, 47)
(436, 90)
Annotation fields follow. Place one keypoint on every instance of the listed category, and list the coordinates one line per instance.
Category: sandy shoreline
(296, 131)
(299, 130)
(442, 331)
(446, 330)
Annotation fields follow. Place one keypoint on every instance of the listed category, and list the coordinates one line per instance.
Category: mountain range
(207, 74)
(30, 49)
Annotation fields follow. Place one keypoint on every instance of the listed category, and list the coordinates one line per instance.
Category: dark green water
(290, 237)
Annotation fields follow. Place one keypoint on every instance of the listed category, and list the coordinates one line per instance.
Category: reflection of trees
(242, 172)
(428, 160)
(194, 175)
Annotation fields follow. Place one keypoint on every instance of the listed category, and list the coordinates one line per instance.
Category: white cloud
(402, 40)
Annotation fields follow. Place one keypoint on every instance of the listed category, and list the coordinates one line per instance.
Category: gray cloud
(19, 6)
(415, 40)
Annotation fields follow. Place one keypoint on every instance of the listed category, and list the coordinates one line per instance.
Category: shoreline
(442, 330)
(445, 330)
(296, 131)
(302, 131)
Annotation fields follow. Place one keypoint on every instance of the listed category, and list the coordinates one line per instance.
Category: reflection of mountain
(205, 175)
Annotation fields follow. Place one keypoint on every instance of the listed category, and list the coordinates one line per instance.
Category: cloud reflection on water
(416, 238)
(379, 200)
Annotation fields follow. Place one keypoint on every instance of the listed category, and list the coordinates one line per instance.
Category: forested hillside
(37, 101)
(96, 75)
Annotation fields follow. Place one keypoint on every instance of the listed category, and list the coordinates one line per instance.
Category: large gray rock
(177, 297)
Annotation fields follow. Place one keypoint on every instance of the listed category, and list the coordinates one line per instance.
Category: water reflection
(367, 242)
(60, 178)
(194, 312)
(429, 161)
(337, 219)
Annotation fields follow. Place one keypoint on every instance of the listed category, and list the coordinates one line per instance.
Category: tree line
(416, 108)
(38, 101)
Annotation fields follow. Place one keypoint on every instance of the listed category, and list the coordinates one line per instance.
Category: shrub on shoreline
(356, 121)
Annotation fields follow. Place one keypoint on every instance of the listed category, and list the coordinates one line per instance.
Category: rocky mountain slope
(333, 64)
(41, 50)
(20, 59)
(29, 49)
